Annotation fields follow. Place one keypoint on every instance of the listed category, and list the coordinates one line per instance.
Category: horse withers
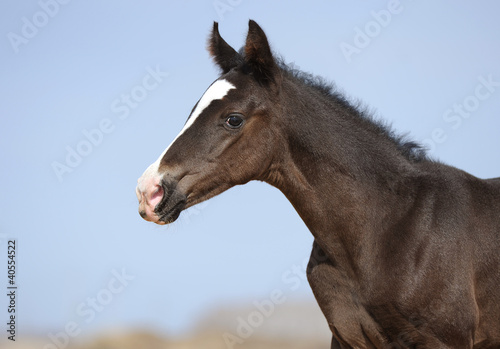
(406, 251)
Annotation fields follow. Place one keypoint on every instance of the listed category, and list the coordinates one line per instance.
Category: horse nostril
(143, 214)
(156, 196)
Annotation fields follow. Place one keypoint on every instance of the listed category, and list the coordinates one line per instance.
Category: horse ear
(223, 54)
(258, 54)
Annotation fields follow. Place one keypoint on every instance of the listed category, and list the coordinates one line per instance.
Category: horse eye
(234, 121)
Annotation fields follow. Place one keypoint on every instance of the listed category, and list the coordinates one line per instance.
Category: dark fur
(406, 251)
(410, 149)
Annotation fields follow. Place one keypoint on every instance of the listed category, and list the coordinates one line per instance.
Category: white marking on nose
(217, 90)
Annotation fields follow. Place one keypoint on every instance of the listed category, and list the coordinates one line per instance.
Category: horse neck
(341, 175)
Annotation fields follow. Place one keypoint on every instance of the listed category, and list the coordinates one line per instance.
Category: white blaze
(217, 90)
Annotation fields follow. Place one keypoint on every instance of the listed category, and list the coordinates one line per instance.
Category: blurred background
(92, 92)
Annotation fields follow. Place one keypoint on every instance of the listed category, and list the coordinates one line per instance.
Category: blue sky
(115, 81)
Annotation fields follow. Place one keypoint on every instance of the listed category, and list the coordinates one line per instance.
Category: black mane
(410, 149)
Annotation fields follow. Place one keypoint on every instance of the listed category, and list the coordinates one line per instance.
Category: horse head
(231, 136)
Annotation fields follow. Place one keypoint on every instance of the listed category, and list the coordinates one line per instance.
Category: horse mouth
(171, 205)
(160, 201)
(170, 215)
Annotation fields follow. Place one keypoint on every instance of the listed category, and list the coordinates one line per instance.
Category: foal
(406, 251)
